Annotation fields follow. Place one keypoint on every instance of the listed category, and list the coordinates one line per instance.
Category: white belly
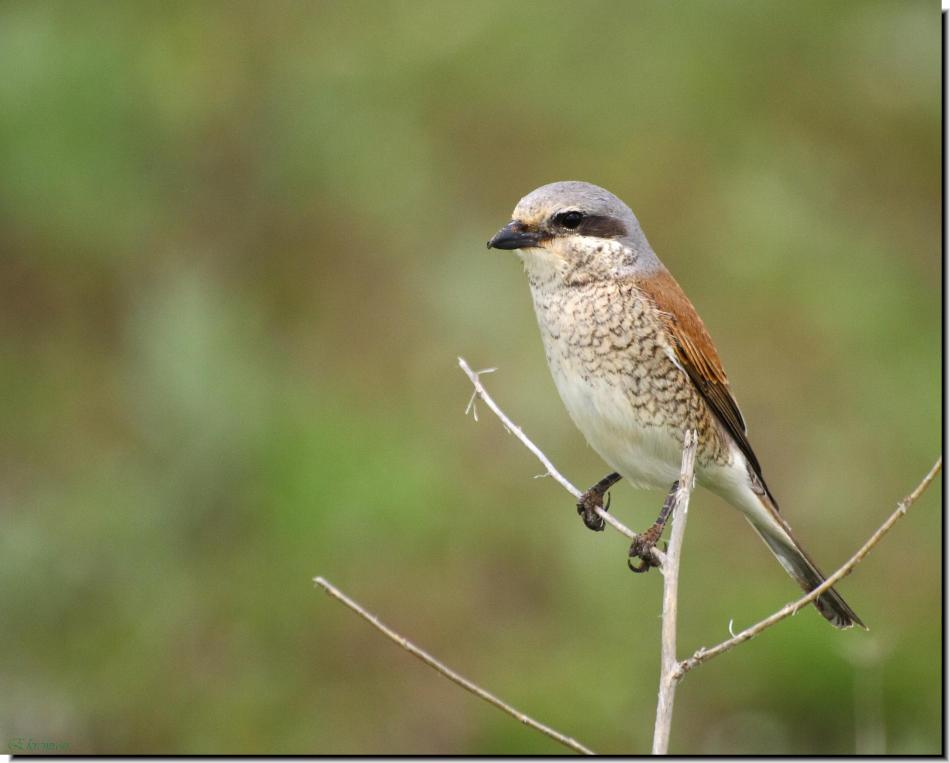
(648, 456)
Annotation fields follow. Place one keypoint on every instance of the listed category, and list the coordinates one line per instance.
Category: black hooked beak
(514, 236)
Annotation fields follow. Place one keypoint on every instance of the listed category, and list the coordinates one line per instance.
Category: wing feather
(697, 356)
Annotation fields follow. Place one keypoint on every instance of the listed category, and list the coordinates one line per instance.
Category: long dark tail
(774, 530)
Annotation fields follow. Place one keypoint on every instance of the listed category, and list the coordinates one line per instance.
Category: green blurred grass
(243, 245)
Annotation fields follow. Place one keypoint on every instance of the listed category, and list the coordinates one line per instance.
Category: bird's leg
(641, 547)
(594, 498)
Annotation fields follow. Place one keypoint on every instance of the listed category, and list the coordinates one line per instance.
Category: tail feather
(774, 530)
(804, 571)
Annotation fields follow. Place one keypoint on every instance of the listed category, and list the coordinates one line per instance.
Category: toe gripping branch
(593, 499)
(642, 547)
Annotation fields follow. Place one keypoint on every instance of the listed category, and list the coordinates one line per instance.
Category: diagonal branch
(679, 669)
(446, 671)
(703, 655)
(482, 393)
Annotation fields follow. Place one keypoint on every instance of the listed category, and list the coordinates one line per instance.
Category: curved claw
(643, 566)
(642, 549)
(594, 522)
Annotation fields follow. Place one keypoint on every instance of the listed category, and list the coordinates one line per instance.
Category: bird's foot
(587, 506)
(593, 499)
(642, 549)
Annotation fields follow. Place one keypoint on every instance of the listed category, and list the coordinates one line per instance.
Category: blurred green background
(242, 246)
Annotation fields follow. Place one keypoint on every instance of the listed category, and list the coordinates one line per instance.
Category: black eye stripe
(600, 226)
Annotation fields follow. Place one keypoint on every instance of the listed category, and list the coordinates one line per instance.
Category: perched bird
(637, 369)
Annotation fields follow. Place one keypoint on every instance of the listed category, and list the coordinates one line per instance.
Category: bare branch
(703, 655)
(669, 663)
(481, 392)
(446, 671)
(672, 670)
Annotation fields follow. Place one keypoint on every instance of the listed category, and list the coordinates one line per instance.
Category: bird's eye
(570, 220)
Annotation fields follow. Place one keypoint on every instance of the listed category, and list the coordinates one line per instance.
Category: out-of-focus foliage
(242, 246)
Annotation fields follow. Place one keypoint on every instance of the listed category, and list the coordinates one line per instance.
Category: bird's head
(569, 226)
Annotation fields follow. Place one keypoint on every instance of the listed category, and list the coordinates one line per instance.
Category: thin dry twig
(703, 655)
(446, 671)
(670, 569)
(673, 672)
(481, 392)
